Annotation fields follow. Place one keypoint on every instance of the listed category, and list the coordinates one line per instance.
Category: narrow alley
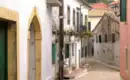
(99, 71)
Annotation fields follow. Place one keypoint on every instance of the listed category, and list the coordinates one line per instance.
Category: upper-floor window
(81, 19)
(86, 20)
(68, 14)
(73, 17)
(77, 21)
(106, 38)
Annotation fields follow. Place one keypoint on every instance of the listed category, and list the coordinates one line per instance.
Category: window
(82, 54)
(113, 38)
(100, 40)
(126, 52)
(68, 15)
(81, 19)
(106, 38)
(89, 26)
(74, 17)
(96, 39)
(77, 21)
(53, 53)
(66, 50)
(72, 49)
(86, 51)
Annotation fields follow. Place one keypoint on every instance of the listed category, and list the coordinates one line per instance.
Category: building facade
(75, 16)
(107, 40)
(26, 33)
(124, 40)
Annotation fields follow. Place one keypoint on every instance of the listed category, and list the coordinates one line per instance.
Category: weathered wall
(107, 51)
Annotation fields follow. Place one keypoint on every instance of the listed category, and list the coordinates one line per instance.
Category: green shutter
(53, 53)
(123, 10)
(67, 51)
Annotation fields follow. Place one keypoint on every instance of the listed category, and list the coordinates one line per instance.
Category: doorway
(34, 50)
(8, 50)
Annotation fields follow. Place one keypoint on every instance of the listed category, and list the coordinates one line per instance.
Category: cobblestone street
(98, 71)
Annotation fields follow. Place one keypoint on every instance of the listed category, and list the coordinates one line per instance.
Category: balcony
(54, 3)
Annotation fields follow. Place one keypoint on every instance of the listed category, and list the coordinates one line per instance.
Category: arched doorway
(34, 50)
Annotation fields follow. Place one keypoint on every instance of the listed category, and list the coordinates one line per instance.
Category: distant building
(96, 13)
(107, 39)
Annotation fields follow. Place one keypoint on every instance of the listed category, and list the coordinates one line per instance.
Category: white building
(29, 27)
(75, 11)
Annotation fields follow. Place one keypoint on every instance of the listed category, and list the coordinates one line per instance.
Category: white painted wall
(73, 4)
(24, 8)
(84, 10)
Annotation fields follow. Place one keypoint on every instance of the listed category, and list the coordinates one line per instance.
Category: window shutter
(89, 26)
(53, 53)
(123, 10)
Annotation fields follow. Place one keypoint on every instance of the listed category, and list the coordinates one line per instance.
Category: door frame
(37, 23)
(11, 15)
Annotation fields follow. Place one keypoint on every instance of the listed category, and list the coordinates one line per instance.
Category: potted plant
(66, 70)
(73, 66)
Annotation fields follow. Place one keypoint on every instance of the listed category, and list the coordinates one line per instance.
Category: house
(96, 13)
(124, 39)
(75, 20)
(107, 40)
(25, 39)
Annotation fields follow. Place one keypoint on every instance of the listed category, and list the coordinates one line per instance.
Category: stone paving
(98, 71)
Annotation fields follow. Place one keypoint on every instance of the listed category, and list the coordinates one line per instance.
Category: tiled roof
(99, 6)
(97, 12)
(115, 2)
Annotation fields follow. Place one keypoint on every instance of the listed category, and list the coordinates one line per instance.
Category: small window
(82, 54)
(113, 38)
(96, 39)
(100, 40)
(126, 52)
(66, 51)
(89, 26)
(72, 49)
(68, 15)
(106, 38)
(74, 17)
(53, 53)
(81, 19)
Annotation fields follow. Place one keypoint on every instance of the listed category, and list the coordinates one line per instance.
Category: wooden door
(32, 54)
(3, 51)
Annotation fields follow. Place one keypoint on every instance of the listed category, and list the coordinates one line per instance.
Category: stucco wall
(24, 8)
(107, 52)
(125, 43)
